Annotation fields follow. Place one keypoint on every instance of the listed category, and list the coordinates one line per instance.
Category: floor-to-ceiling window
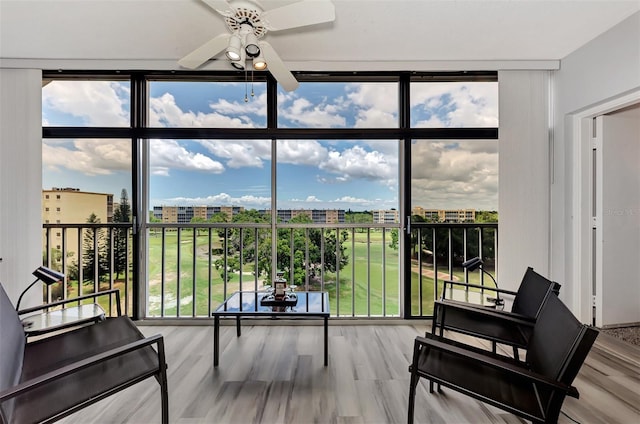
(454, 185)
(87, 184)
(230, 180)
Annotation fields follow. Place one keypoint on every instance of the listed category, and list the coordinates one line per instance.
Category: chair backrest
(532, 293)
(12, 341)
(558, 347)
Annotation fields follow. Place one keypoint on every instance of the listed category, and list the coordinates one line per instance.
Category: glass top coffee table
(309, 305)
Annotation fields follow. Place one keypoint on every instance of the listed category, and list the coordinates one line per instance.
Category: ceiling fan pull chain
(246, 98)
(252, 95)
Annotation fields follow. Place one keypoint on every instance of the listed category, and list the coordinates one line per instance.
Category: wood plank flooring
(275, 374)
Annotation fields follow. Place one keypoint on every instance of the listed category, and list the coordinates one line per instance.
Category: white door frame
(582, 200)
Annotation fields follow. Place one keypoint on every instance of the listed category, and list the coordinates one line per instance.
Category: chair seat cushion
(65, 393)
(480, 381)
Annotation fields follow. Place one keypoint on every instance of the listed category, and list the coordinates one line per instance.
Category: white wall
(20, 180)
(523, 199)
(603, 69)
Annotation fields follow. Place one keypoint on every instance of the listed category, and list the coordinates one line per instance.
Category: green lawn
(363, 289)
(367, 283)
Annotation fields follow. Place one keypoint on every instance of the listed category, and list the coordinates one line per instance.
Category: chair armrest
(511, 317)
(438, 343)
(77, 299)
(28, 385)
(478, 286)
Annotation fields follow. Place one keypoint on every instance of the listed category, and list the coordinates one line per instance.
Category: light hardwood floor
(275, 374)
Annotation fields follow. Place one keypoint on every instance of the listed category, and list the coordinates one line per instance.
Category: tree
(333, 258)
(394, 239)
(120, 235)
(244, 240)
(198, 220)
(94, 251)
(312, 239)
(359, 218)
(486, 216)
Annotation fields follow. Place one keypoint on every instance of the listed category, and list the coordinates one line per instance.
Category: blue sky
(332, 174)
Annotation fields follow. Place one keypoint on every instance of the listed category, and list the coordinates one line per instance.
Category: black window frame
(137, 130)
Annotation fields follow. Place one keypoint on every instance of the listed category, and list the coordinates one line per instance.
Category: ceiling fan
(248, 22)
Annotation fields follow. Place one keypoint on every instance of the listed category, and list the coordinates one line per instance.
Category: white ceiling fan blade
(299, 14)
(220, 6)
(275, 65)
(205, 52)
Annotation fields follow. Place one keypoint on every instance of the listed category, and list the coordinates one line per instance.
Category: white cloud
(88, 156)
(169, 154)
(165, 112)
(343, 202)
(241, 153)
(301, 152)
(356, 162)
(455, 174)
(220, 199)
(456, 104)
(256, 105)
(376, 104)
(94, 103)
(306, 114)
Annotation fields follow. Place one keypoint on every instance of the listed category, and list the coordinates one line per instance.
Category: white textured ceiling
(364, 31)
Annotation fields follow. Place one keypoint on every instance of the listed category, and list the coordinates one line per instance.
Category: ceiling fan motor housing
(246, 18)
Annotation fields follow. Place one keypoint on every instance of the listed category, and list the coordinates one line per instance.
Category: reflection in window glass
(207, 104)
(87, 103)
(454, 104)
(339, 105)
(210, 173)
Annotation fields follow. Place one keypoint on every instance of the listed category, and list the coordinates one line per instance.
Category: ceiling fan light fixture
(251, 45)
(238, 64)
(234, 48)
(259, 64)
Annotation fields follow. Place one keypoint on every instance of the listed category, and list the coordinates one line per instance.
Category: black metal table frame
(274, 314)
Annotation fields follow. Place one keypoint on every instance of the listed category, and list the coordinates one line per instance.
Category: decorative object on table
(44, 274)
(279, 296)
(280, 287)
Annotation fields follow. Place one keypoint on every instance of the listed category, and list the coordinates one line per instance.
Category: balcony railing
(437, 253)
(191, 268)
(94, 257)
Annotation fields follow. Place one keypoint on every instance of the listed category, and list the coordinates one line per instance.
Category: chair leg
(516, 355)
(412, 395)
(164, 384)
(165, 398)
